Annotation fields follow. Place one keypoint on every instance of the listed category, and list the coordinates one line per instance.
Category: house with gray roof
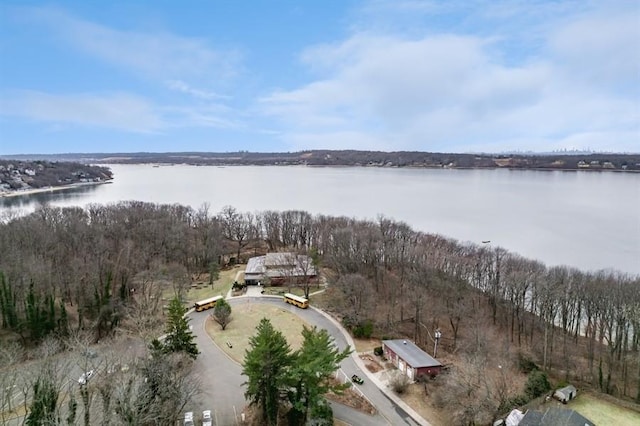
(410, 359)
(277, 268)
(555, 416)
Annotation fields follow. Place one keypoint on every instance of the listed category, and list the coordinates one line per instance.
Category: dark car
(356, 379)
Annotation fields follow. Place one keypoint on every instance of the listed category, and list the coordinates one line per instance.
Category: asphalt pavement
(222, 379)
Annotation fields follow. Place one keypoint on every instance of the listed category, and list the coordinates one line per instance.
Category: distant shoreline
(34, 191)
(415, 167)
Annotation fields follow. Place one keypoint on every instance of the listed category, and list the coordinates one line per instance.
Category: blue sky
(447, 76)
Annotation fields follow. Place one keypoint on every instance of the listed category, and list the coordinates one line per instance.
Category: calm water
(587, 220)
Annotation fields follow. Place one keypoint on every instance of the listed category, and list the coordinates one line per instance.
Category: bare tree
(237, 227)
(358, 296)
(222, 313)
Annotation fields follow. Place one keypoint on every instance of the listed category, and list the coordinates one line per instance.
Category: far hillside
(549, 161)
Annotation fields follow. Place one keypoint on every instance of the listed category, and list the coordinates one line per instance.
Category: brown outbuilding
(410, 359)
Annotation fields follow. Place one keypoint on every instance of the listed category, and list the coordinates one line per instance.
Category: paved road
(222, 379)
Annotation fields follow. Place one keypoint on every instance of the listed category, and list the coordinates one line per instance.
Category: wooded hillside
(103, 268)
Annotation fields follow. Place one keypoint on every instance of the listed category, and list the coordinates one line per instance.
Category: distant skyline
(278, 76)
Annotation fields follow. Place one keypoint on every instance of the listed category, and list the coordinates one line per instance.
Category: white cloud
(602, 50)
(217, 116)
(181, 86)
(453, 92)
(118, 111)
(159, 54)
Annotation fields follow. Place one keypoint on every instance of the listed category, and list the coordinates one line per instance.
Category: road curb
(354, 355)
(390, 394)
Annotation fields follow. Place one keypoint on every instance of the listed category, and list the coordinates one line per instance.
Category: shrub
(378, 351)
(321, 415)
(516, 401)
(363, 329)
(537, 384)
(525, 364)
(399, 382)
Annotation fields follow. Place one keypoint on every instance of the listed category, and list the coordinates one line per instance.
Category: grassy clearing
(245, 320)
(602, 412)
(202, 290)
(366, 345)
(415, 398)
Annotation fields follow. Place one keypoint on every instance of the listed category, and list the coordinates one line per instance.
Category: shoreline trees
(103, 268)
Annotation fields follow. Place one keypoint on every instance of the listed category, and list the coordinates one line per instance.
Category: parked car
(85, 377)
(188, 419)
(356, 379)
(206, 418)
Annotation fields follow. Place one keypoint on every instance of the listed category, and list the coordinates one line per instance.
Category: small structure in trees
(410, 359)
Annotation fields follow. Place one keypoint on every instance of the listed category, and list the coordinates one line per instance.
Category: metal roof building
(278, 267)
(410, 359)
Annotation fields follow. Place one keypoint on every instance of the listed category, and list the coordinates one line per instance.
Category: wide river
(589, 220)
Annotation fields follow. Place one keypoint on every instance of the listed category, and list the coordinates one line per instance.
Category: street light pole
(438, 335)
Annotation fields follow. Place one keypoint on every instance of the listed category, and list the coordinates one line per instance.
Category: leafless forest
(101, 271)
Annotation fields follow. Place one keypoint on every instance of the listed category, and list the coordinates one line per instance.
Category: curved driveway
(222, 378)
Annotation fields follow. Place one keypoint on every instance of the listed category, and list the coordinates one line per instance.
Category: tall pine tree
(266, 363)
(310, 376)
(179, 337)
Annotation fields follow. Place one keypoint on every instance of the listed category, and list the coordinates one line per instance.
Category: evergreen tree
(8, 304)
(43, 410)
(214, 272)
(537, 384)
(222, 313)
(63, 321)
(35, 317)
(314, 364)
(72, 409)
(179, 337)
(266, 363)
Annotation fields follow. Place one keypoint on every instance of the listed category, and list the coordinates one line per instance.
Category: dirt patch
(366, 345)
(352, 398)
(416, 398)
(246, 318)
(371, 363)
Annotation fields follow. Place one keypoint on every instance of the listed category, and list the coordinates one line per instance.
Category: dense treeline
(549, 161)
(21, 175)
(93, 268)
(86, 259)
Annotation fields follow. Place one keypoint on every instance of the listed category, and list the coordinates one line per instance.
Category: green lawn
(202, 290)
(603, 413)
(245, 320)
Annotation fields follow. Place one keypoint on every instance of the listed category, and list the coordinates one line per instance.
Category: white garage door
(410, 372)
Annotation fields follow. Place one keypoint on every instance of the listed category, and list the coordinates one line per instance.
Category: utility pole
(438, 335)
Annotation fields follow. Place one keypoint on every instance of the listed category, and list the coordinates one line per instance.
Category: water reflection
(28, 201)
(586, 220)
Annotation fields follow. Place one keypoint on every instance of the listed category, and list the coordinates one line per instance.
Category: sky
(286, 76)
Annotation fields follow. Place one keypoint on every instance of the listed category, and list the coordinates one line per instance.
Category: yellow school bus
(299, 301)
(206, 303)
